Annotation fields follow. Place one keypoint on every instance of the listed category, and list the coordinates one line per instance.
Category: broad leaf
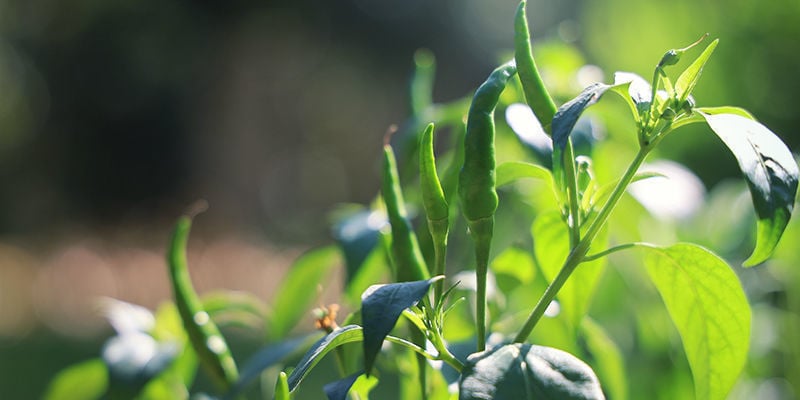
(708, 306)
(521, 371)
(337, 390)
(293, 300)
(771, 174)
(551, 246)
(381, 306)
(87, 380)
(343, 335)
(696, 117)
(688, 79)
(357, 235)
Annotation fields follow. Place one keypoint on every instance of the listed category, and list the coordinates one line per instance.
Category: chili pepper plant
(424, 268)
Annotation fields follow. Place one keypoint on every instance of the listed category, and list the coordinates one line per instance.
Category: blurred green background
(116, 115)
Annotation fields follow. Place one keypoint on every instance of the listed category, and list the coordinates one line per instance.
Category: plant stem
(592, 257)
(578, 253)
(572, 196)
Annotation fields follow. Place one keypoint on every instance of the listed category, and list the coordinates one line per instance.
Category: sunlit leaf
(708, 306)
(381, 306)
(608, 359)
(343, 335)
(637, 94)
(87, 380)
(522, 371)
(293, 301)
(551, 246)
(568, 115)
(771, 174)
(688, 79)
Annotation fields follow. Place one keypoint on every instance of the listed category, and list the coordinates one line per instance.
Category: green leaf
(568, 115)
(521, 371)
(87, 380)
(235, 308)
(551, 246)
(511, 171)
(292, 301)
(338, 390)
(696, 117)
(688, 78)
(357, 233)
(635, 90)
(381, 306)
(608, 359)
(771, 174)
(708, 306)
(343, 335)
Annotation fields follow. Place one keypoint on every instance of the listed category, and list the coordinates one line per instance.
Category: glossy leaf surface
(771, 174)
(343, 335)
(708, 306)
(381, 306)
(527, 372)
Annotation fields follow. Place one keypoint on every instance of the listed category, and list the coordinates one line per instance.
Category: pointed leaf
(771, 174)
(568, 114)
(551, 246)
(292, 301)
(521, 371)
(87, 380)
(337, 390)
(381, 306)
(343, 335)
(688, 79)
(708, 306)
(282, 387)
(638, 94)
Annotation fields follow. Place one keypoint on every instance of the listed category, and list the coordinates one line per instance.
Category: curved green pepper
(435, 205)
(476, 181)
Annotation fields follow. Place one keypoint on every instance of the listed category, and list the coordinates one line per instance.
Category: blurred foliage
(130, 109)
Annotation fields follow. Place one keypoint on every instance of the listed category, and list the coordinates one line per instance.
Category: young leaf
(292, 300)
(771, 174)
(381, 306)
(337, 390)
(521, 371)
(282, 387)
(688, 79)
(568, 115)
(708, 306)
(638, 94)
(343, 335)
(87, 380)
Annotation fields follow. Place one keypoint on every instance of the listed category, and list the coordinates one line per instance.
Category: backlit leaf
(87, 380)
(708, 306)
(343, 335)
(689, 77)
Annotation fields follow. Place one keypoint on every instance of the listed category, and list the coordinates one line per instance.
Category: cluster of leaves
(433, 343)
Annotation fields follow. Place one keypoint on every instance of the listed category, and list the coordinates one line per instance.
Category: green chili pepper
(205, 337)
(435, 205)
(532, 86)
(476, 182)
(282, 387)
(409, 264)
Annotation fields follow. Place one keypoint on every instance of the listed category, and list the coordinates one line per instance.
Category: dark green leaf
(568, 114)
(521, 371)
(357, 235)
(343, 335)
(337, 390)
(292, 301)
(87, 380)
(771, 174)
(381, 306)
(708, 306)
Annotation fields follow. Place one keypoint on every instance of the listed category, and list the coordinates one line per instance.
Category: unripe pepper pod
(476, 181)
(408, 260)
(435, 204)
